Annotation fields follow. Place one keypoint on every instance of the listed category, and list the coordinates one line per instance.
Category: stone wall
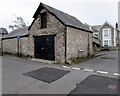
(11, 46)
(77, 40)
(53, 27)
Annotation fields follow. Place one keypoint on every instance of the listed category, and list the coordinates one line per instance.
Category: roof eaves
(80, 28)
(14, 37)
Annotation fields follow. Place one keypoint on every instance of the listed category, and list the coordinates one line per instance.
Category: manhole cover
(112, 86)
(107, 58)
(46, 74)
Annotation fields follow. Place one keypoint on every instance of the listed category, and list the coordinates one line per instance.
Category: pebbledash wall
(76, 39)
(11, 46)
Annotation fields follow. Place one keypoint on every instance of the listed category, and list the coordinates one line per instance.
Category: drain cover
(96, 84)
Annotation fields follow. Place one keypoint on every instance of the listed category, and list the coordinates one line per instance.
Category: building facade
(119, 15)
(55, 35)
(106, 34)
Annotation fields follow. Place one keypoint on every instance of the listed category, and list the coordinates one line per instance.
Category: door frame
(44, 36)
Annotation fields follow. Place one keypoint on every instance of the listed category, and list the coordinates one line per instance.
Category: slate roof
(21, 32)
(66, 19)
(3, 30)
(100, 26)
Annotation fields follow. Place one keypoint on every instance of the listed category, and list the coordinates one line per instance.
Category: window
(96, 34)
(106, 32)
(105, 42)
(43, 20)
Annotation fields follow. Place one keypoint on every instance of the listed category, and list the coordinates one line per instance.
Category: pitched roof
(3, 30)
(66, 19)
(107, 24)
(21, 32)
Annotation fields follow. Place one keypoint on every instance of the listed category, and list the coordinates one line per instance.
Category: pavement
(14, 82)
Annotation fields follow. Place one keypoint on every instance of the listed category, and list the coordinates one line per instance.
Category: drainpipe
(88, 45)
(65, 45)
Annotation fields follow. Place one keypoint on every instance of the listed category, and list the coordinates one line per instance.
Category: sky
(93, 12)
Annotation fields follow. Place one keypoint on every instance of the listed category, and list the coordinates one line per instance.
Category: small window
(43, 20)
(106, 43)
(96, 34)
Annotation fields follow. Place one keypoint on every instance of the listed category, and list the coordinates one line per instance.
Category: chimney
(116, 25)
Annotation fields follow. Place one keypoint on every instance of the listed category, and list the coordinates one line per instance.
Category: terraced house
(55, 35)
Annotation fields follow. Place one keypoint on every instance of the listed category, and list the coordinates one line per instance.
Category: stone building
(3, 33)
(12, 45)
(55, 35)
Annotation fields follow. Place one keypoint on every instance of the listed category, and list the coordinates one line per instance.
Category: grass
(79, 60)
(106, 47)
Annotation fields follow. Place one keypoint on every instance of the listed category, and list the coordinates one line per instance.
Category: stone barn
(55, 35)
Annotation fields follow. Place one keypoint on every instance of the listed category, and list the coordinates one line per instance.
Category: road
(14, 82)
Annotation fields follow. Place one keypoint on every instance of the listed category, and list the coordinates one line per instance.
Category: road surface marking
(65, 67)
(117, 74)
(89, 70)
(103, 72)
(75, 68)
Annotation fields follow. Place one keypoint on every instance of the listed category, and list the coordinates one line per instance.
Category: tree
(19, 22)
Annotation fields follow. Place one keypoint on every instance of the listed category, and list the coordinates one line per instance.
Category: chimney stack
(116, 25)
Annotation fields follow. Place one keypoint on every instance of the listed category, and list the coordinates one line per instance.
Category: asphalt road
(14, 82)
(107, 63)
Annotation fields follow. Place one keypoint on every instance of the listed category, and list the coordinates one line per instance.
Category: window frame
(96, 33)
(107, 43)
(108, 32)
(43, 20)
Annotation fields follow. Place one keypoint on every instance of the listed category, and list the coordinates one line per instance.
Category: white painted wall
(115, 35)
(119, 15)
(107, 37)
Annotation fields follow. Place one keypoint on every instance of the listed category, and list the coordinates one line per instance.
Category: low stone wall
(11, 46)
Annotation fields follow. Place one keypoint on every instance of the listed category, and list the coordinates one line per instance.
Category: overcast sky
(87, 11)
